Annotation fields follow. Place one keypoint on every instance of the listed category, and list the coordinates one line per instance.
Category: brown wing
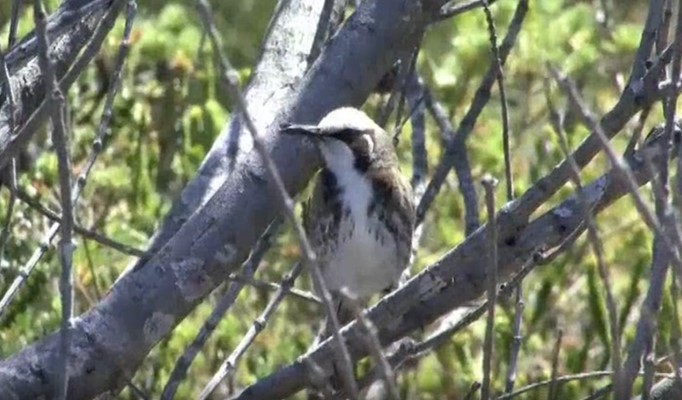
(394, 194)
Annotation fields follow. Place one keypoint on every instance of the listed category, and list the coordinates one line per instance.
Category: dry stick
(87, 233)
(229, 78)
(57, 108)
(649, 367)
(451, 10)
(259, 284)
(554, 385)
(11, 174)
(466, 126)
(562, 379)
(226, 300)
(646, 326)
(489, 184)
(460, 163)
(677, 196)
(518, 308)
(32, 124)
(14, 22)
(594, 239)
(373, 345)
(228, 368)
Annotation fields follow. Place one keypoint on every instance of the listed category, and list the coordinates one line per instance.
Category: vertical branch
(13, 23)
(518, 301)
(594, 239)
(489, 184)
(554, 385)
(374, 346)
(466, 126)
(460, 163)
(56, 107)
(228, 78)
(11, 174)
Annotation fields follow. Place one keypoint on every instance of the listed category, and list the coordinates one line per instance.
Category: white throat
(357, 191)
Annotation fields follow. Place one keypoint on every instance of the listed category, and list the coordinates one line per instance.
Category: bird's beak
(304, 130)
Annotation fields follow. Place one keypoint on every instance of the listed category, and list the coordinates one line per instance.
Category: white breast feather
(361, 263)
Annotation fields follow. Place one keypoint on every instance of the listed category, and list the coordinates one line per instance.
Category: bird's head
(348, 137)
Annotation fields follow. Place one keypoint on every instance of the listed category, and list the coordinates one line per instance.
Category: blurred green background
(170, 109)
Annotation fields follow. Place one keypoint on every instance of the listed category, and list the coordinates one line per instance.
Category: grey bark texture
(69, 29)
(113, 338)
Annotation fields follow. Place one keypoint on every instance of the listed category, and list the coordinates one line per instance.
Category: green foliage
(170, 109)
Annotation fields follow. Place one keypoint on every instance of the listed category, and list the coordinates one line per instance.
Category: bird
(360, 218)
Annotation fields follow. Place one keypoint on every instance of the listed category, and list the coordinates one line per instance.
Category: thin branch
(14, 23)
(554, 385)
(460, 163)
(466, 126)
(56, 107)
(489, 184)
(11, 174)
(562, 379)
(594, 238)
(374, 346)
(228, 368)
(260, 284)
(456, 8)
(229, 79)
(87, 233)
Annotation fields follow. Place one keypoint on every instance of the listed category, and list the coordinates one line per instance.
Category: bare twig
(594, 239)
(554, 385)
(457, 7)
(229, 79)
(562, 379)
(228, 368)
(301, 294)
(14, 22)
(87, 233)
(11, 173)
(56, 107)
(518, 309)
(460, 163)
(489, 184)
(374, 346)
(480, 100)
(250, 266)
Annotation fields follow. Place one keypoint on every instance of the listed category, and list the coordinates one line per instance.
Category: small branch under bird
(360, 218)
